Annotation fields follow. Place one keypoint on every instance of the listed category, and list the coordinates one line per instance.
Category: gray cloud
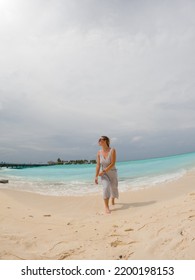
(74, 70)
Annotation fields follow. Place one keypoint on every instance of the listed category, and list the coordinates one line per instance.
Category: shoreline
(160, 219)
(91, 191)
(72, 180)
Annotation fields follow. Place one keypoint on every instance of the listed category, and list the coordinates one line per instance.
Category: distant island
(58, 162)
(78, 161)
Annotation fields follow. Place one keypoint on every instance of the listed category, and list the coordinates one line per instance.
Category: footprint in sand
(114, 234)
(117, 243)
(99, 214)
(129, 229)
(192, 195)
(65, 255)
(192, 216)
(181, 232)
(125, 257)
(47, 215)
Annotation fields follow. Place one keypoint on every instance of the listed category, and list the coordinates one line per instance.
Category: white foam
(81, 188)
(138, 183)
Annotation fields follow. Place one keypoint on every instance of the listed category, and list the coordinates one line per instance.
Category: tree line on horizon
(78, 161)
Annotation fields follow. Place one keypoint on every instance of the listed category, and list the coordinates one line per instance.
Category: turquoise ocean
(78, 180)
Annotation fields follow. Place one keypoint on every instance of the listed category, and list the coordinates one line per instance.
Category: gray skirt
(110, 184)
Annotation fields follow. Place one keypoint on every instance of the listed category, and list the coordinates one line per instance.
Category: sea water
(63, 180)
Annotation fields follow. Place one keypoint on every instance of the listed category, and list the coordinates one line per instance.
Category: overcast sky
(73, 70)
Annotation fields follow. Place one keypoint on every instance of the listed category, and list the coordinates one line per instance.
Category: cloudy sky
(72, 70)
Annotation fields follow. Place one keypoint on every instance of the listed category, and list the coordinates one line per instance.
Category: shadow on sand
(124, 206)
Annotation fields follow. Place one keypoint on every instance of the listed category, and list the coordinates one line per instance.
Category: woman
(106, 159)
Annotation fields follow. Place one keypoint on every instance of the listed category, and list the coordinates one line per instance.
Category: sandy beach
(152, 223)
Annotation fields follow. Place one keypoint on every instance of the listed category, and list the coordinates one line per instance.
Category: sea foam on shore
(79, 179)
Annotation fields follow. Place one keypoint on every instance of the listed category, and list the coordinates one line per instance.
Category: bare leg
(113, 202)
(106, 203)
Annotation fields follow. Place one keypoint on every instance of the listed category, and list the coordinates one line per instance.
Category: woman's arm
(97, 168)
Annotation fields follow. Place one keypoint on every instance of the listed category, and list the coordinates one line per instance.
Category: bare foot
(107, 210)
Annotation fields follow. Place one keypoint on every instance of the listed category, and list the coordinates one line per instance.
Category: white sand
(154, 223)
